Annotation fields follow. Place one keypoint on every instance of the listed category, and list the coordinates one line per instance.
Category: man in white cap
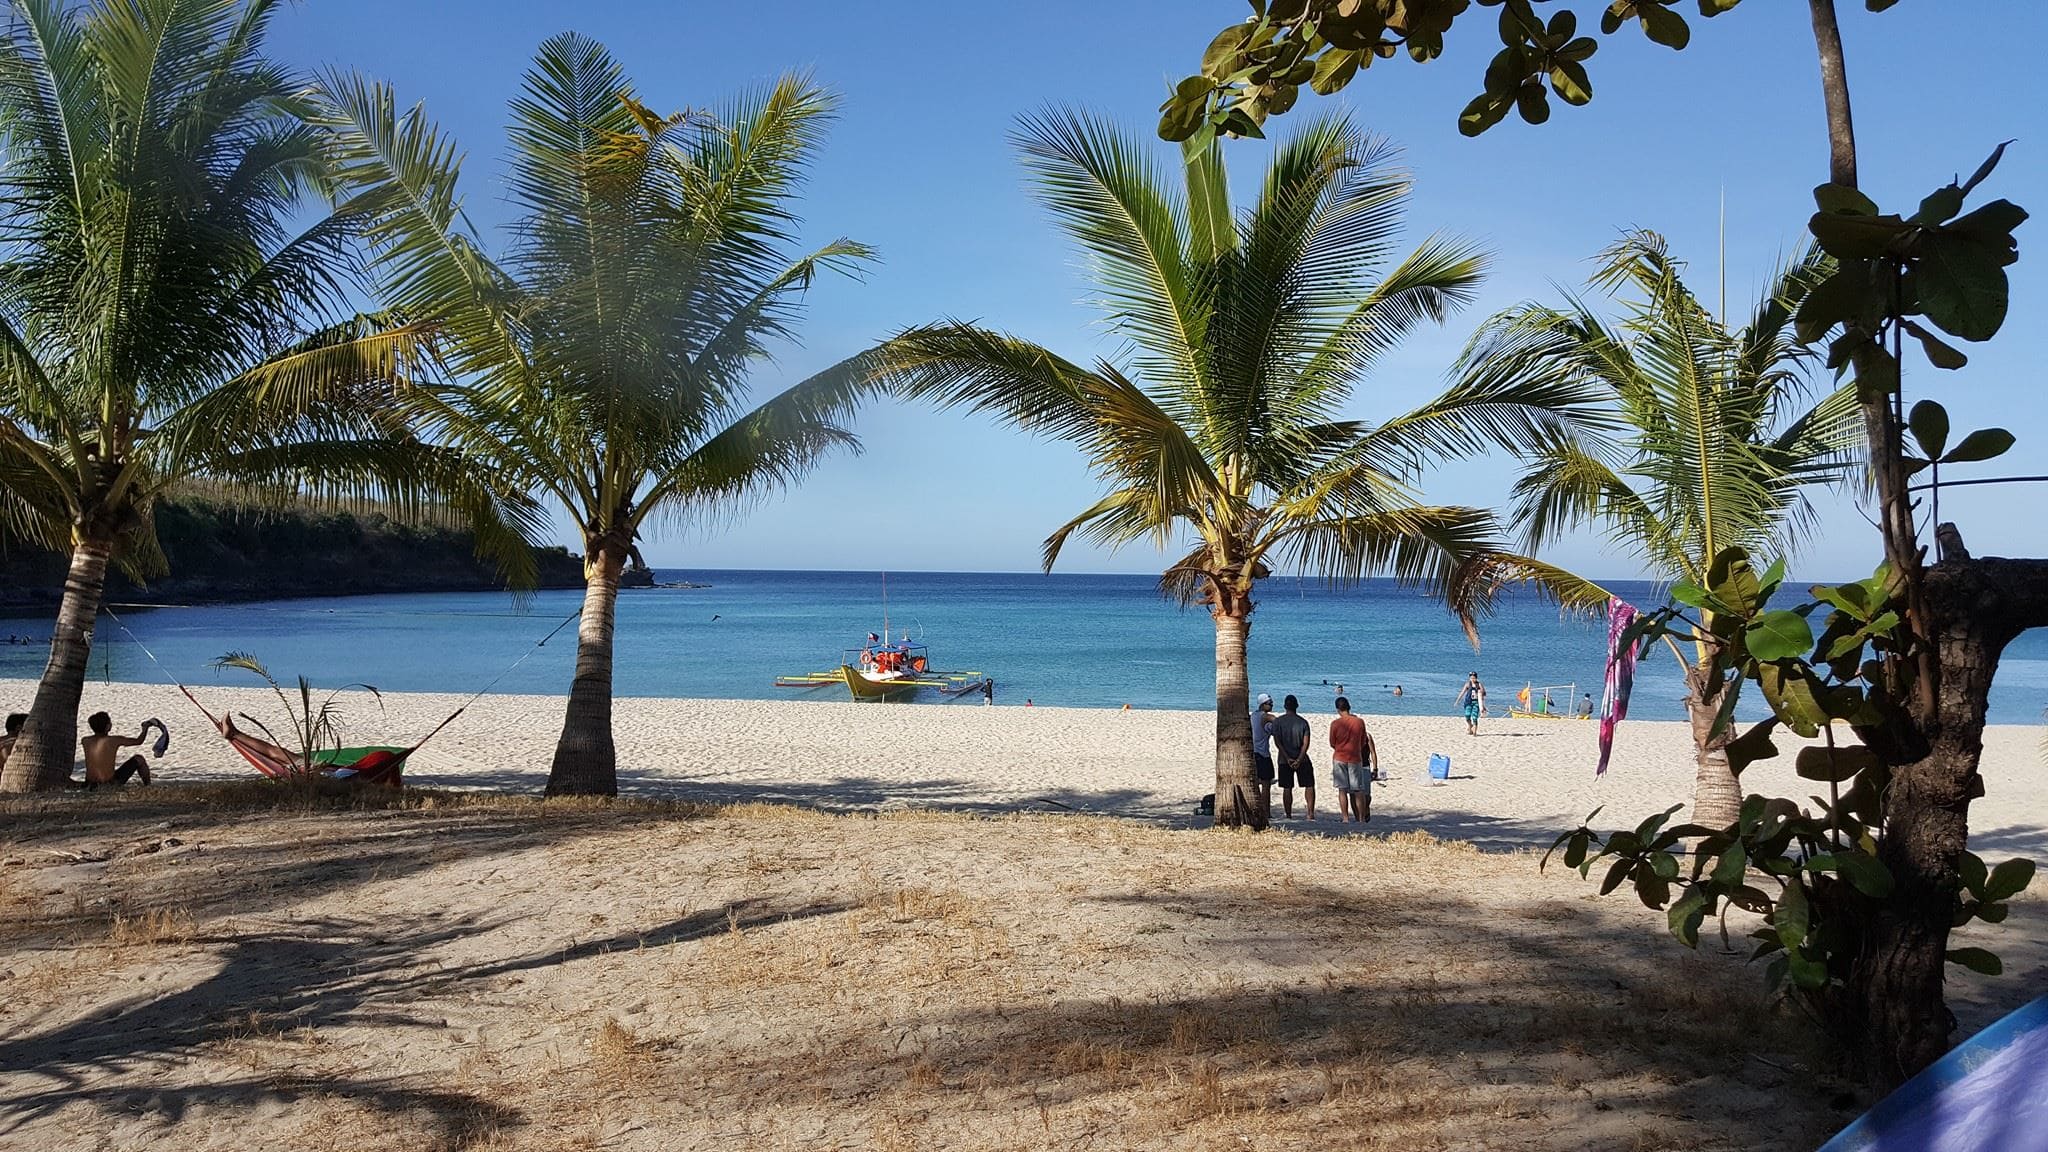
(1262, 750)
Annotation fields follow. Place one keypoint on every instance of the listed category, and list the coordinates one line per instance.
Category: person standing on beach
(100, 750)
(1472, 698)
(988, 690)
(1352, 760)
(1262, 750)
(1291, 737)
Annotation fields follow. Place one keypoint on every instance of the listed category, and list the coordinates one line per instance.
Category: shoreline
(1513, 787)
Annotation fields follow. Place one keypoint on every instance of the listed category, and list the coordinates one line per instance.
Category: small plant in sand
(315, 724)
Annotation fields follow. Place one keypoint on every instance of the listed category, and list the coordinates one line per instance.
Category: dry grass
(497, 974)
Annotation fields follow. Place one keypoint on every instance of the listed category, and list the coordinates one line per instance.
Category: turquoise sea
(1096, 641)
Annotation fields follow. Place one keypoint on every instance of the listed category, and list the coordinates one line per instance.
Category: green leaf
(1570, 82)
(1970, 867)
(1334, 69)
(1990, 162)
(1929, 424)
(1793, 698)
(1732, 866)
(1866, 873)
(1976, 960)
(1485, 111)
(1533, 103)
(1220, 58)
(1939, 352)
(1983, 444)
(1841, 200)
(1852, 600)
(1962, 283)
(1778, 635)
(1806, 972)
(1792, 915)
(1991, 224)
(1690, 594)
(1752, 746)
(1663, 26)
(1686, 916)
(1939, 206)
(1856, 237)
(1833, 765)
(2008, 880)
(1181, 118)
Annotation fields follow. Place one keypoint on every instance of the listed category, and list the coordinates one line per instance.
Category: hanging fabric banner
(1621, 677)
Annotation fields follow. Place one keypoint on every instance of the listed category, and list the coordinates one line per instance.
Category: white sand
(1517, 784)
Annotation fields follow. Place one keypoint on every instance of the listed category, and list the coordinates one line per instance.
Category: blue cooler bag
(1439, 766)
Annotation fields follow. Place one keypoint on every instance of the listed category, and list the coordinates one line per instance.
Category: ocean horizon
(1061, 639)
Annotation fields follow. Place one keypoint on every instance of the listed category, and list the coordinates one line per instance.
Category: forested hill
(220, 552)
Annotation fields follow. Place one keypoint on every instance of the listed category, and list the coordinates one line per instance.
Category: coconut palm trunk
(1716, 790)
(586, 759)
(1239, 802)
(43, 757)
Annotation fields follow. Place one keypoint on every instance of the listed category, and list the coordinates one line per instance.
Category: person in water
(101, 748)
(1472, 698)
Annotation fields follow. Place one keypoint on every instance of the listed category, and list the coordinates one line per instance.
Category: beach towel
(1621, 677)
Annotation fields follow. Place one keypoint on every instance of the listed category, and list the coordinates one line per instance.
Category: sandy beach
(922, 947)
(1515, 785)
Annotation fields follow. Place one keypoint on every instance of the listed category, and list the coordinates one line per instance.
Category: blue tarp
(1989, 1095)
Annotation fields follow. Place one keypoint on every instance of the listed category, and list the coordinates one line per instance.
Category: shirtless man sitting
(101, 749)
(15, 720)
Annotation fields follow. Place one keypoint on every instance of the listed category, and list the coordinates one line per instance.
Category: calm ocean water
(1071, 640)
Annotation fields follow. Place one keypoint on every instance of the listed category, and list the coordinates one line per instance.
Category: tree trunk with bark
(1238, 800)
(1976, 608)
(586, 760)
(43, 757)
(1716, 790)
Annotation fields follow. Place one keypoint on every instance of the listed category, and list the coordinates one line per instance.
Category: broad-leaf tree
(173, 306)
(1226, 424)
(603, 359)
(1931, 274)
(1709, 438)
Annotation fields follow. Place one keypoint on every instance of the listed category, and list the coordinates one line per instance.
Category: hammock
(375, 764)
(381, 765)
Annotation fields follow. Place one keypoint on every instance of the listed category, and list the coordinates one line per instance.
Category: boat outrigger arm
(884, 670)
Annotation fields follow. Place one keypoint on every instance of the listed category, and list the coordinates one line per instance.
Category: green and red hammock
(381, 765)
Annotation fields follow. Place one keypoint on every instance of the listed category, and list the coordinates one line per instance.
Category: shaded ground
(184, 970)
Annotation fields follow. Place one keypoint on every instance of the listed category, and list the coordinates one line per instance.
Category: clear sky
(919, 166)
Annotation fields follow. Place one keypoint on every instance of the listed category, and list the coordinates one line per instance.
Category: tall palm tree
(1226, 423)
(603, 360)
(160, 319)
(1717, 443)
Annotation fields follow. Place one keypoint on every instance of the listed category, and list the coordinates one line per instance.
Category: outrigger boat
(1536, 703)
(886, 670)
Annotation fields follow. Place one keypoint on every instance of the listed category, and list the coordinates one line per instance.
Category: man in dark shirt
(1291, 738)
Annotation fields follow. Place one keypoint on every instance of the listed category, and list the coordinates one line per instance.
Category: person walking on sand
(1291, 737)
(1262, 750)
(100, 750)
(1352, 760)
(1472, 698)
(988, 690)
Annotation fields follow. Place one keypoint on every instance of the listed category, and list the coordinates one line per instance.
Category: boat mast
(885, 609)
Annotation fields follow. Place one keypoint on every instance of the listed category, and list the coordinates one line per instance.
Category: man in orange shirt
(1353, 758)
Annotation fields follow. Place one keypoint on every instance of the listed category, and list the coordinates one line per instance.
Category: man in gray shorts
(1352, 758)
(1290, 746)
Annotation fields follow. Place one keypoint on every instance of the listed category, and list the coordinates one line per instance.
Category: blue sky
(920, 167)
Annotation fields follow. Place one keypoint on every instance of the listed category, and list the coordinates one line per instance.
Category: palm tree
(160, 321)
(603, 360)
(1247, 333)
(1707, 439)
